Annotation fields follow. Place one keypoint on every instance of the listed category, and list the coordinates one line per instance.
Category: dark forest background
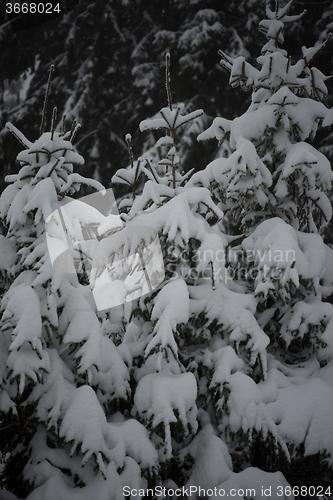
(109, 57)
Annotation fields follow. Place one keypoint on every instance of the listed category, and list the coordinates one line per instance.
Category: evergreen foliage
(110, 71)
(61, 373)
(274, 187)
(222, 376)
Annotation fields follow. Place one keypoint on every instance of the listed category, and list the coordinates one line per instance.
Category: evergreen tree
(325, 140)
(62, 376)
(201, 363)
(274, 187)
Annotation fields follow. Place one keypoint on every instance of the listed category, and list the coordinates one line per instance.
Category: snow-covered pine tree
(195, 341)
(62, 377)
(325, 24)
(204, 374)
(277, 414)
(165, 393)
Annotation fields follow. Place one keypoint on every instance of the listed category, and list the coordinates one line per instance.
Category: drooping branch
(315, 53)
(18, 135)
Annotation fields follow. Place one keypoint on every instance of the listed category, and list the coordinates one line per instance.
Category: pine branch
(213, 276)
(128, 140)
(212, 210)
(74, 130)
(18, 135)
(226, 62)
(123, 179)
(168, 80)
(175, 121)
(165, 119)
(307, 63)
(187, 176)
(151, 170)
(63, 125)
(53, 121)
(54, 167)
(47, 93)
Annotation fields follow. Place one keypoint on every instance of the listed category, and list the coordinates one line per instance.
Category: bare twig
(53, 121)
(168, 80)
(42, 125)
(63, 125)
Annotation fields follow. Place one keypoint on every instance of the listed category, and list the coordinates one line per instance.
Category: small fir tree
(62, 376)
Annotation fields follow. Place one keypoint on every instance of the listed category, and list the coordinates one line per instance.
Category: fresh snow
(182, 380)
(159, 396)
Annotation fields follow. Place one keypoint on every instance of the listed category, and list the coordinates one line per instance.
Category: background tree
(110, 70)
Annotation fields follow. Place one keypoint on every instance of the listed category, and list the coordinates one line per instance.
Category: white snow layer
(166, 398)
